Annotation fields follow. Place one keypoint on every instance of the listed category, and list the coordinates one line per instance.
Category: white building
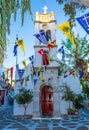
(3, 86)
(47, 93)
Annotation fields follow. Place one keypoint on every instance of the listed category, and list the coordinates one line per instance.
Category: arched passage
(46, 100)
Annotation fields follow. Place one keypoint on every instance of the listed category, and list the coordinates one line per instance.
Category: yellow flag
(49, 58)
(65, 28)
(13, 80)
(24, 64)
(20, 43)
(40, 70)
(43, 80)
(7, 71)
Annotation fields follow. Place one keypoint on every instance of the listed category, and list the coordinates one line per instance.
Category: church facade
(47, 99)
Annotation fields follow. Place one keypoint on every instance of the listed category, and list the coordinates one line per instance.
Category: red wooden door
(2, 96)
(47, 102)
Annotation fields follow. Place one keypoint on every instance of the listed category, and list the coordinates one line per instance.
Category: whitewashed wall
(18, 109)
(74, 84)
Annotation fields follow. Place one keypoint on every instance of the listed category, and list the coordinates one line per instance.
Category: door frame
(41, 91)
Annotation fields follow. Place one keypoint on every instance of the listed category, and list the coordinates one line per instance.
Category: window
(41, 30)
(48, 35)
(49, 96)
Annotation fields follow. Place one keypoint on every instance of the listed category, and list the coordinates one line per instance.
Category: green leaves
(24, 96)
(25, 6)
(68, 95)
(76, 99)
(8, 7)
(71, 8)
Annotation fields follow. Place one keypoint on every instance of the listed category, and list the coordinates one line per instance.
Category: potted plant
(78, 102)
(68, 95)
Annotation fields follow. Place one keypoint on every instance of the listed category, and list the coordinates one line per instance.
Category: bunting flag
(31, 58)
(65, 28)
(15, 50)
(65, 75)
(41, 51)
(59, 72)
(3, 76)
(43, 80)
(19, 71)
(15, 46)
(13, 80)
(82, 73)
(22, 81)
(40, 71)
(84, 22)
(35, 81)
(32, 70)
(7, 71)
(27, 78)
(20, 43)
(72, 72)
(52, 44)
(24, 64)
(38, 74)
(11, 73)
(49, 58)
(41, 37)
(44, 68)
(62, 51)
(17, 67)
(68, 44)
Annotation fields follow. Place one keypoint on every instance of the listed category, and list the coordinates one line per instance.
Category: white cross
(86, 19)
(45, 9)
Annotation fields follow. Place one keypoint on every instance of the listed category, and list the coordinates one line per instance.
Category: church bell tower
(46, 93)
(45, 23)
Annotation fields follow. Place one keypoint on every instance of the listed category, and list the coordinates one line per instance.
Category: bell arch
(48, 35)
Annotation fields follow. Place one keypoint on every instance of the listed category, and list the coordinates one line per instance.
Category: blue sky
(27, 30)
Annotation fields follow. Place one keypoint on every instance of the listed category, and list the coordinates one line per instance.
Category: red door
(2, 96)
(47, 101)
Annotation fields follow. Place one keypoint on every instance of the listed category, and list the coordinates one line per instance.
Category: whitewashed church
(46, 87)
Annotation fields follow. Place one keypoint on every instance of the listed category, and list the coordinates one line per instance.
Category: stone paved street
(10, 122)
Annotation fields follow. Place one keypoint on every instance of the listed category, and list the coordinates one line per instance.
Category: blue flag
(62, 51)
(15, 47)
(84, 22)
(15, 50)
(41, 37)
(19, 71)
(31, 58)
(82, 73)
(63, 56)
